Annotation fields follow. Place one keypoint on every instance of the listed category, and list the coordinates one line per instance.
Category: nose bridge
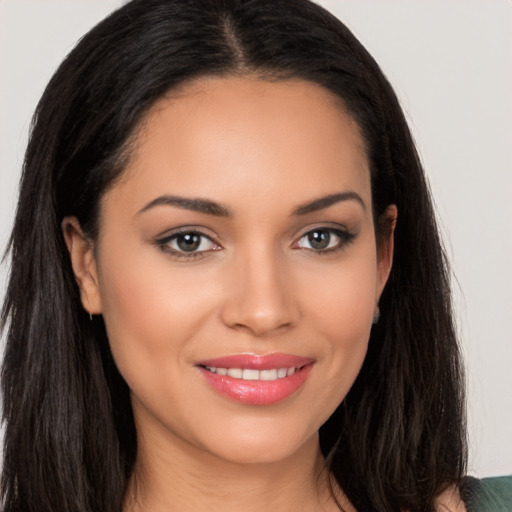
(260, 298)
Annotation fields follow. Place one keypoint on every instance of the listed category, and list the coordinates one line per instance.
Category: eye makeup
(187, 243)
(190, 242)
(325, 240)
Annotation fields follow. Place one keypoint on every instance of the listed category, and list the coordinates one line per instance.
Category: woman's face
(236, 267)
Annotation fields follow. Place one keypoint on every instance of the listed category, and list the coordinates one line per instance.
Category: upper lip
(257, 362)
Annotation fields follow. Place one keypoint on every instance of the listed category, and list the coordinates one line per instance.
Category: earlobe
(386, 246)
(83, 261)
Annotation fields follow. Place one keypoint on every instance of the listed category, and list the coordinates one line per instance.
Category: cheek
(340, 310)
(151, 313)
(342, 297)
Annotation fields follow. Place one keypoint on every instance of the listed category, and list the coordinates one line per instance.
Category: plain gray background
(451, 64)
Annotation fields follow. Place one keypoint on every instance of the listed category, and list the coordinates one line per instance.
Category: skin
(257, 285)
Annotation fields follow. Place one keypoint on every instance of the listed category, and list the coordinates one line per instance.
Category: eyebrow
(326, 201)
(194, 204)
(212, 208)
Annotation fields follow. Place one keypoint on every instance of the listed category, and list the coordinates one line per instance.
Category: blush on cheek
(346, 306)
(345, 321)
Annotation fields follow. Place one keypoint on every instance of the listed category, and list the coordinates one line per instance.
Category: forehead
(246, 137)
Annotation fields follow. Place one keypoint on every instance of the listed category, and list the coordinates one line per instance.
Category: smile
(251, 374)
(256, 380)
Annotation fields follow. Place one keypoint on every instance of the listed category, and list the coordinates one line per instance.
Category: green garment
(487, 495)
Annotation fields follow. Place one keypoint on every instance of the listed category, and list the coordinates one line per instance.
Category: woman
(215, 257)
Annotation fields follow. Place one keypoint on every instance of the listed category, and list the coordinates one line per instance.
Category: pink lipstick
(256, 379)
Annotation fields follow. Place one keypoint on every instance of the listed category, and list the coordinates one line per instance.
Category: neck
(182, 477)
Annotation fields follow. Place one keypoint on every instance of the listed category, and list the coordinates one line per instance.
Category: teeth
(268, 374)
(251, 374)
(237, 373)
(281, 373)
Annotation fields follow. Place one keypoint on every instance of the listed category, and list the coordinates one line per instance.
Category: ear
(385, 247)
(83, 261)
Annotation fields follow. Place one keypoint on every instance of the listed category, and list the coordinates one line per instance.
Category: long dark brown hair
(398, 438)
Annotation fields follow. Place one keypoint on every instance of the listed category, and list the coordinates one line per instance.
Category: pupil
(188, 242)
(319, 239)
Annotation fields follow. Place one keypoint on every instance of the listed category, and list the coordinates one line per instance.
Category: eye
(324, 239)
(187, 243)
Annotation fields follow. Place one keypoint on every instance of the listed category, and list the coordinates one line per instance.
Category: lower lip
(257, 392)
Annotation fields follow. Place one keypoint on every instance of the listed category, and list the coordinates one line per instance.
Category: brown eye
(188, 242)
(319, 239)
(324, 240)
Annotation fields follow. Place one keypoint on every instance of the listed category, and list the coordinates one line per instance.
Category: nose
(260, 299)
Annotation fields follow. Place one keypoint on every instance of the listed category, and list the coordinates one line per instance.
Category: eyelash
(345, 238)
(163, 244)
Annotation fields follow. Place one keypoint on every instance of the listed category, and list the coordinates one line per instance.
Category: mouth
(256, 379)
(252, 374)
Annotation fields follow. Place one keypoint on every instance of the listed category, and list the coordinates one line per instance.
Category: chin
(260, 444)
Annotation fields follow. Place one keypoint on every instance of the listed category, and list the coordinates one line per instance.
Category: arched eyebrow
(212, 208)
(326, 201)
(187, 203)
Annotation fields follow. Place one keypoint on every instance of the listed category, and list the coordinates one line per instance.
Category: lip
(258, 362)
(257, 392)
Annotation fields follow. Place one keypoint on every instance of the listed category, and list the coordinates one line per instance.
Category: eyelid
(162, 241)
(200, 230)
(327, 226)
(345, 235)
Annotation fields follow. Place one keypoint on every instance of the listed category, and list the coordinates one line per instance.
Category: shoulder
(488, 494)
(478, 495)
(450, 501)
